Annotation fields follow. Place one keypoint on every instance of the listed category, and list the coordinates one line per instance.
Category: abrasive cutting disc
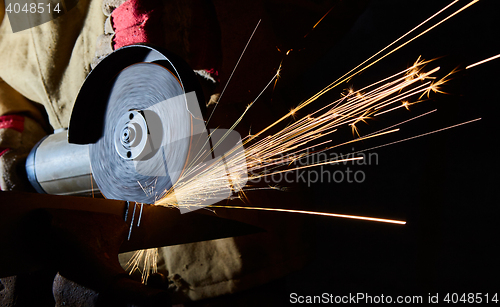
(146, 136)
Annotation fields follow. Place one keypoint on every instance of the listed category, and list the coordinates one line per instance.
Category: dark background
(444, 185)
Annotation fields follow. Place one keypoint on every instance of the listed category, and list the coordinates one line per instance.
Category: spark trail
(268, 154)
(346, 216)
(276, 152)
(483, 61)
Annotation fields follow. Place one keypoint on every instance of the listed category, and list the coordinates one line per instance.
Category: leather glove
(187, 28)
(18, 135)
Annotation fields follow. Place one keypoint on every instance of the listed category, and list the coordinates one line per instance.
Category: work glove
(186, 28)
(18, 135)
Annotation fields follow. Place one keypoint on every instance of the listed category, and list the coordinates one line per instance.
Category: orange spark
(316, 24)
(346, 216)
(483, 61)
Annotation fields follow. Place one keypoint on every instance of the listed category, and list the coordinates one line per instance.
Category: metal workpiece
(58, 227)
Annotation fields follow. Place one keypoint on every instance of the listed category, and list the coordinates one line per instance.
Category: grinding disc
(146, 135)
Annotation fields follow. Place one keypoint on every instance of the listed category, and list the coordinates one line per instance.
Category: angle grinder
(136, 124)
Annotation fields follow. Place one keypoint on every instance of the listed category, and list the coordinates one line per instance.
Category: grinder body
(55, 166)
(137, 126)
(61, 163)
